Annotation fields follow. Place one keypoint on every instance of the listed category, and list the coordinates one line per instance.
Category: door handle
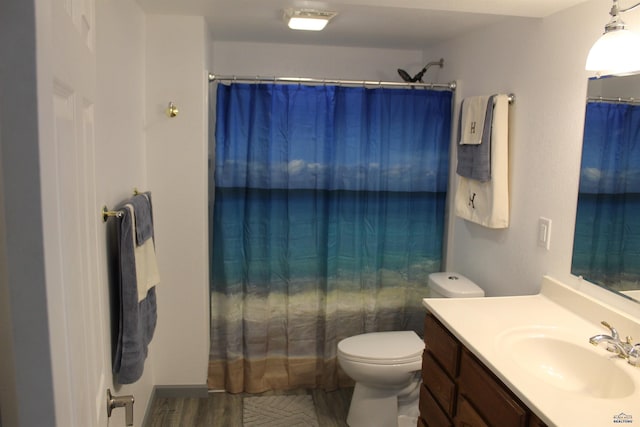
(119, 402)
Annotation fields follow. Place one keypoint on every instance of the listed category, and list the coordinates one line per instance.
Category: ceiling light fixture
(307, 19)
(616, 51)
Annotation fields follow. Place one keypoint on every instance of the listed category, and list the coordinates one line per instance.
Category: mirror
(606, 247)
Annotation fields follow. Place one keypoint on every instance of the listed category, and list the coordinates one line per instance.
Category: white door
(74, 258)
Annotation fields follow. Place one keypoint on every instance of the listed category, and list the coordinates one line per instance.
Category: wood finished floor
(225, 409)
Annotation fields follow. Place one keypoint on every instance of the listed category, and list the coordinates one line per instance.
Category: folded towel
(136, 320)
(473, 112)
(144, 222)
(147, 275)
(487, 203)
(474, 161)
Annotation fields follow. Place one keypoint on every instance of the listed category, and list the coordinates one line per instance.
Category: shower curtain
(607, 235)
(328, 218)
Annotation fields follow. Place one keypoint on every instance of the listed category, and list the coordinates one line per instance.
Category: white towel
(487, 203)
(474, 110)
(147, 274)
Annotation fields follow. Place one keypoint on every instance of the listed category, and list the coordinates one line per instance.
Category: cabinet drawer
(430, 411)
(444, 346)
(439, 384)
(488, 395)
(467, 416)
(534, 421)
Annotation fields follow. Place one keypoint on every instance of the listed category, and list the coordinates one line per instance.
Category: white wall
(120, 138)
(331, 62)
(176, 59)
(542, 63)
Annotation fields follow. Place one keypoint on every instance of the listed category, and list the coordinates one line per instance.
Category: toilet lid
(382, 347)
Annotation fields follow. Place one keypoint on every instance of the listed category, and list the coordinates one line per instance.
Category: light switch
(544, 233)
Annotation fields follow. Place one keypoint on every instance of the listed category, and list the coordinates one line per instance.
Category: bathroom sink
(538, 346)
(557, 360)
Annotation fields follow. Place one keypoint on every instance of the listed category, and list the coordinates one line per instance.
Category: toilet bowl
(386, 365)
(386, 368)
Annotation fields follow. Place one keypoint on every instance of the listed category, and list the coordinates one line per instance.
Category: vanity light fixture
(308, 19)
(617, 51)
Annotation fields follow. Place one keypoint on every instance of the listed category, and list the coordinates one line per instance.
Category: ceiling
(398, 24)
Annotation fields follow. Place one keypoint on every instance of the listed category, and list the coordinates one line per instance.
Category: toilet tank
(453, 285)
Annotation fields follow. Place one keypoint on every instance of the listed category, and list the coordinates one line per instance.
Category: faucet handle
(614, 332)
(634, 355)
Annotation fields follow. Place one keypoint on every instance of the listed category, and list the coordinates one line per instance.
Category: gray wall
(26, 395)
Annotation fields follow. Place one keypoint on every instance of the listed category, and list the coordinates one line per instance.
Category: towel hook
(172, 110)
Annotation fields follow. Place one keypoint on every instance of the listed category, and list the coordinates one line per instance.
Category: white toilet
(386, 365)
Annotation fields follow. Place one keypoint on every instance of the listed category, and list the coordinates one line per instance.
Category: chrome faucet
(624, 349)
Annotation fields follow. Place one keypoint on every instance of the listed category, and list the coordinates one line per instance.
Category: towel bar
(106, 213)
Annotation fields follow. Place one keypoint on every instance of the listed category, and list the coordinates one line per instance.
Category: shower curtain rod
(616, 100)
(257, 79)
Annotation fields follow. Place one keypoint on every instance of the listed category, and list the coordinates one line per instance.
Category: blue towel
(136, 321)
(474, 161)
(144, 219)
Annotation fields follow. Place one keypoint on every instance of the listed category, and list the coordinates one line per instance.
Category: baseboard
(164, 391)
(195, 390)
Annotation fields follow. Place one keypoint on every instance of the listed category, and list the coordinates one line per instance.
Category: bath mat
(279, 411)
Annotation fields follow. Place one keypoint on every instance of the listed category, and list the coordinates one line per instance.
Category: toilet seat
(382, 348)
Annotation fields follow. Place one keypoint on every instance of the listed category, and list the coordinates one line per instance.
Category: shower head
(418, 77)
(405, 76)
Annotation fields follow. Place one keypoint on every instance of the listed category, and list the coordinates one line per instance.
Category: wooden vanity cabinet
(458, 390)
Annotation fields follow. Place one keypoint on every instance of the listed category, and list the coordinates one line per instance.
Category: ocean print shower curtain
(328, 217)
(607, 235)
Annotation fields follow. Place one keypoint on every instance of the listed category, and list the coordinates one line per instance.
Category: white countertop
(484, 325)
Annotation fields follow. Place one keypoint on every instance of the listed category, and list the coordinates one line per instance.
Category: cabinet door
(493, 401)
(467, 415)
(430, 411)
(439, 384)
(444, 347)
(535, 421)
